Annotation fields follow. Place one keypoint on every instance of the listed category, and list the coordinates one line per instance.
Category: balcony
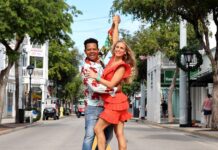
(167, 64)
(37, 73)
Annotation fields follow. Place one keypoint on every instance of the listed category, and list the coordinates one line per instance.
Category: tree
(160, 36)
(74, 89)
(63, 66)
(41, 20)
(196, 12)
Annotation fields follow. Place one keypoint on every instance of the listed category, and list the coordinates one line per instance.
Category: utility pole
(182, 79)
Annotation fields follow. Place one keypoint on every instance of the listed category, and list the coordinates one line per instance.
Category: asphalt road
(67, 134)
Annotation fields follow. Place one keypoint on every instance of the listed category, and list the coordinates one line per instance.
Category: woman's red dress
(116, 107)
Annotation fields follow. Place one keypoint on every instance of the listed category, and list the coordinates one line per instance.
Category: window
(36, 61)
(36, 46)
(24, 60)
(151, 80)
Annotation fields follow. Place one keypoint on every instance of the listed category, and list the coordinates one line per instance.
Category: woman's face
(120, 49)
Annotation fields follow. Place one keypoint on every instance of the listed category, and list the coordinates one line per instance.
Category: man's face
(92, 51)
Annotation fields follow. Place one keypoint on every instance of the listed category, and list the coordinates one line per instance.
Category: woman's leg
(209, 120)
(206, 119)
(99, 131)
(119, 131)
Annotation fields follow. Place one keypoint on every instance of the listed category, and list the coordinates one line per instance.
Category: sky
(94, 22)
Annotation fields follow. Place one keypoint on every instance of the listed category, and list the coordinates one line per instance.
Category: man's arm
(94, 85)
(100, 88)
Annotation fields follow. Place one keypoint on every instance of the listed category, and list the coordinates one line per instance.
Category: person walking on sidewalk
(164, 107)
(94, 104)
(207, 109)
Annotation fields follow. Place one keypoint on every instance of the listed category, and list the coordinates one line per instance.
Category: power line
(91, 19)
(90, 30)
(95, 29)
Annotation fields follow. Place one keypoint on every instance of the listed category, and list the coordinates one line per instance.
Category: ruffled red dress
(116, 107)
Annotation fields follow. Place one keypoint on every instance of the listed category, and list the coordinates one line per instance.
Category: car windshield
(81, 103)
(49, 109)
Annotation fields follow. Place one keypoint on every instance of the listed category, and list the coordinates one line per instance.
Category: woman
(119, 70)
(207, 109)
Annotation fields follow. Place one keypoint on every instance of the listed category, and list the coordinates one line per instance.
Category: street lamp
(30, 69)
(188, 55)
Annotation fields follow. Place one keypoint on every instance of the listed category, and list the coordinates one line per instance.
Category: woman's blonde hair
(129, 58)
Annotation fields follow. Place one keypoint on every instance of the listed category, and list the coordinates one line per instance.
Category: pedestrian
(119, 70)
(94, 104)
(207, 109)
(164, 107)
(140, 111)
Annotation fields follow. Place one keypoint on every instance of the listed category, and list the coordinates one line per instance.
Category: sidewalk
(8, 125)
(207, 132)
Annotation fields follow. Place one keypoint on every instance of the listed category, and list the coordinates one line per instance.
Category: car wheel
(46, 118)
(78, 115)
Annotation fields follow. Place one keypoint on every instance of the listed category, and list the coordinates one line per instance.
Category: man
(94, 104)
(164, 108)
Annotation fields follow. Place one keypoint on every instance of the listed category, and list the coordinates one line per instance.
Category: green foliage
(165, 10)
(63, 66)
(160, 33)
(155, 11)
(41, 20)
(13, 55)
(130, 89)
(74, 88)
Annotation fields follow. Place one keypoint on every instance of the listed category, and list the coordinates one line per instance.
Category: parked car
(80, 108)
(50, 112)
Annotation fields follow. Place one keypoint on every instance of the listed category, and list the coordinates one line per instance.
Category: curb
(187, 130)
(6, 131)
(19, 128)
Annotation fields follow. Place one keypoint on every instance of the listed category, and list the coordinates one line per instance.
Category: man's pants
(91, 116)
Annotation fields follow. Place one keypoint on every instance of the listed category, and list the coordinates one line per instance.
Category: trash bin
(21, 115)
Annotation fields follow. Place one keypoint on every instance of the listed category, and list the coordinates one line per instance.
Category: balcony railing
(167, 63)
(36, 72)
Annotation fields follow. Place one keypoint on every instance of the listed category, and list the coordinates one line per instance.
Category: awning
(202, 78)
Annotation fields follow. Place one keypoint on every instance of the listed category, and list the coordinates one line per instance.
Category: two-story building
(160, 73)
(37, 55)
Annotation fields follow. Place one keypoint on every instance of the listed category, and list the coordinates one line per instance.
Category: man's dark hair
(90, 40)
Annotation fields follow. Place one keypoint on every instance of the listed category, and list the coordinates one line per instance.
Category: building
(201, 84)
(36, 55)
(159, 76)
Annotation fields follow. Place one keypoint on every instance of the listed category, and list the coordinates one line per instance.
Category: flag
(107, 44)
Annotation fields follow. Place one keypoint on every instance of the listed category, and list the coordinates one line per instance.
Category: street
(67, 134)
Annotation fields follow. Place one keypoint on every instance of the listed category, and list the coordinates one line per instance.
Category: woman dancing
(119, 70)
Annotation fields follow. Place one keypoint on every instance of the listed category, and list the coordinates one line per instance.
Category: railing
(167, 63)
(36, 72)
